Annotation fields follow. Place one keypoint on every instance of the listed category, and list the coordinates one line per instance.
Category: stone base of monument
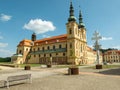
(73, 71)
(27, 67)
(98, 66)
(49, 65)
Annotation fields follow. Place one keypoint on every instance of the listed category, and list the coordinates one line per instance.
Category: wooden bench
(18, 78)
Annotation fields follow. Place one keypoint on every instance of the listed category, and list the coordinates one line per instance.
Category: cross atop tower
(96, 36)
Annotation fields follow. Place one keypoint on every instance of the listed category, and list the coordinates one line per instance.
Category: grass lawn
(106, 66)
(20, 65)
(62, 66)
(5, 63)
(67, 66)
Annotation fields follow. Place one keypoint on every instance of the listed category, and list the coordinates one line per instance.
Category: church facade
(69, 48)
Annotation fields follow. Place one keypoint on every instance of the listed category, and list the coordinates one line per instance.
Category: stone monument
(96, 37)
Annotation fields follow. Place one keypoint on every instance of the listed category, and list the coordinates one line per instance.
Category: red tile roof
(25, 42)
(54, 39)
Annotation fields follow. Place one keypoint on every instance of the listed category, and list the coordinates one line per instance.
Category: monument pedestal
(27, 67)
(98, 66)
(73, 71)
(49, 65)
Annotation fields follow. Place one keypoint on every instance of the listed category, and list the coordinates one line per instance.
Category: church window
(76, 31)
(43, 48)
(54, 47)
(56, 54)
(20, 51)
(50, 55)
(71, 52)
(44, 55)
(111, 56)
(34, 55)
(60, 46)
(26, 49)
(63, 54)
(70, 45)
(70, 31)
(66, 45)
(39, 55)
(48, 47)
(38, 49)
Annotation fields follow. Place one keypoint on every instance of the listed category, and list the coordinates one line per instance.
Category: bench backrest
(19, 77)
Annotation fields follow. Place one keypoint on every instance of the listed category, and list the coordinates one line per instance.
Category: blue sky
(20, 18)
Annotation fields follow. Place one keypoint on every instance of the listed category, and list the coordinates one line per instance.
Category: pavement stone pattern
(56, 79)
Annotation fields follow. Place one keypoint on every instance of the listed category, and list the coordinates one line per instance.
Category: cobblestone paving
(56, 79)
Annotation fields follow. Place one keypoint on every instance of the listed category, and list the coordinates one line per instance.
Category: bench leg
(7, 84)
(30, 80)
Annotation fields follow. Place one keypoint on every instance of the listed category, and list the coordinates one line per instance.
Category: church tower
(76, 39)
(72, 28)
(83, 43)
(33, 38)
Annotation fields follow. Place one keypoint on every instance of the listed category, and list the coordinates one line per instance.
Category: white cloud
(3, 44)
(45, 36)
(116, 47)
(106, 38)
(91, 46)
(5, 53)
(4, 17)
(39, 26)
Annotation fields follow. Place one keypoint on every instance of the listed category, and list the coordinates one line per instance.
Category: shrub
(7, 59)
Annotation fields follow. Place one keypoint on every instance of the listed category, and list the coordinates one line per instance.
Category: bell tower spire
(81, 24)
(33, 38)
(71, 17)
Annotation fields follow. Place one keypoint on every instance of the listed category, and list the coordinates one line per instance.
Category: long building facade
(112, 56)
(69, 48)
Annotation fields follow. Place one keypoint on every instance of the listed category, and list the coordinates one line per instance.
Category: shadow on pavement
(111, 72)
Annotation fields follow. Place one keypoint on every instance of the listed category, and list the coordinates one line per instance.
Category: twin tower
(76, 39)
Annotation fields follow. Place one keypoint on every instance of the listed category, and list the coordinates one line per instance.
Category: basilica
(69, 48)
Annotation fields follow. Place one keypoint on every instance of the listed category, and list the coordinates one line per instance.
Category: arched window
(38, 49)
(63, 54)
(34, 49)
(26, 49)
(48, 47)
(70, 31)
(66, 45)
(81, 48)
(50, 55)
(44, 55)
(70, 45)
(54, 47)
(43, 48)
(20, 52)
(60, 46)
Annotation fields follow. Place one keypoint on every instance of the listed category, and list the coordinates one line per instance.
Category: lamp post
(96, 37)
